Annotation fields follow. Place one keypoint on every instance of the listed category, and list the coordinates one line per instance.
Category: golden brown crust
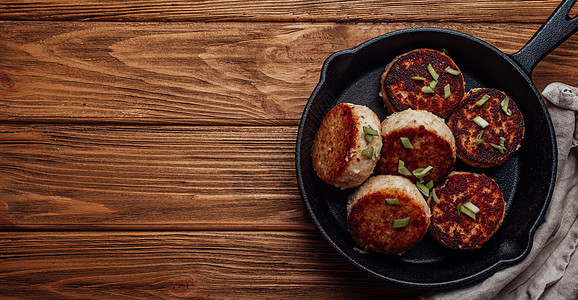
(501, 125)
(400, 92)
(457, 230)
(370, 218)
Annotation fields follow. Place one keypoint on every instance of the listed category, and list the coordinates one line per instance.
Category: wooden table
(147, 148)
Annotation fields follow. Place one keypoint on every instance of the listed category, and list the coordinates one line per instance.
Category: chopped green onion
(368, 138)
(432, 72)
(471, 207)
(447, 91)
(502, 140)
(484, 99)
(433, 83)
(481, 122)
(429, 185)
(402, 169)
(459, 209)
(418, 78)
(422, 188)
(369, 130)
(467, 212)
(406, 143)
(479, 140)
(391, 200)
(445, 51)
(398, 223)
(422, 172)
(378, 147)
(499, 147)
(427, 89)
(367, 152)
(435, 197)
(360, 251)
(504, 104)
(452, 71)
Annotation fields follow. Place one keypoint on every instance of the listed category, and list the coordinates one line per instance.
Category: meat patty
(453, 223)
(487, 133)
(347, 145)
(432, 144)
(387, 214)
(406, 83)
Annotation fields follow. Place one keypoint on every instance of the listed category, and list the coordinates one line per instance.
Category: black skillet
(527, 179)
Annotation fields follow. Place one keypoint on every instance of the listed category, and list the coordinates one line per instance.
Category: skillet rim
(500, 263)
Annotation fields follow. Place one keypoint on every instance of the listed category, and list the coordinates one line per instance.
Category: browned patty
(455, 229)
(465, 130)
(400, 92)
(370, 218)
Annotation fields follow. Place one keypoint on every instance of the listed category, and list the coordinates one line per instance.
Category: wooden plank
(294, 11)
(199, 73)
(240, 265)
(148, 178)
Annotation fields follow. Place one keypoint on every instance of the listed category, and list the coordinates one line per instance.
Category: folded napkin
(550, 271)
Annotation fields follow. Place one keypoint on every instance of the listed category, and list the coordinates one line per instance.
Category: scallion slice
(429, 185)
(432, 72)
(378, 147)
(360, 251)
(433, 83)
(447, 91)
(369, 130)
(422, 188)
(367, 152)
(391, 200)
(452, 71)
(422, 172)
(399, 223)
(473, 208)
(368, 138)
(467, 212)
(479, 140)
(481, 122)
(418, 78)
(406, 143)
(427, 89)
(498, 147)
(504, 104)
(484, 99)
(402, 169)
(435, 197)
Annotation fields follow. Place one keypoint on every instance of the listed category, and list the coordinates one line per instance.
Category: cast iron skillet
(527, 179)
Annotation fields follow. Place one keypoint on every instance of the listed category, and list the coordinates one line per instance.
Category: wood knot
(6, 82)
(181, 286)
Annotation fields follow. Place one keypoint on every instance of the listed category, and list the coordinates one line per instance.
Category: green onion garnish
(481, 122)
(422, 172)
(368, 138)
(429, 185)
(402, 169)
(484, 99)
(418, 78)
(391, 200)
(435, 197)
(447, 91)
(504, 104)
(369, 130)
(467, 212)
(378, 147)
(498, 147)
(360, 251)
(406, 143)
(422, 188)
(398, 223)
(367, 152)
(479, 140)
(459, 209)
(427, 89)
(452, 71)
(432, 72)
(471, 207)
(433, 83)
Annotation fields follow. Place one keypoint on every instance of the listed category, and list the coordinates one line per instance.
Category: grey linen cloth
(550, 271)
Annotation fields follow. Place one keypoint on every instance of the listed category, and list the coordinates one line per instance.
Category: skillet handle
(553, 32)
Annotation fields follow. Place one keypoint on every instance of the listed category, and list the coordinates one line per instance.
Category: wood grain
(197, 74)
(201, 265)
(148, 178)
(293, 11)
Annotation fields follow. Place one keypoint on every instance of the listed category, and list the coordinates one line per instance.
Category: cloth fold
(550, 271)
